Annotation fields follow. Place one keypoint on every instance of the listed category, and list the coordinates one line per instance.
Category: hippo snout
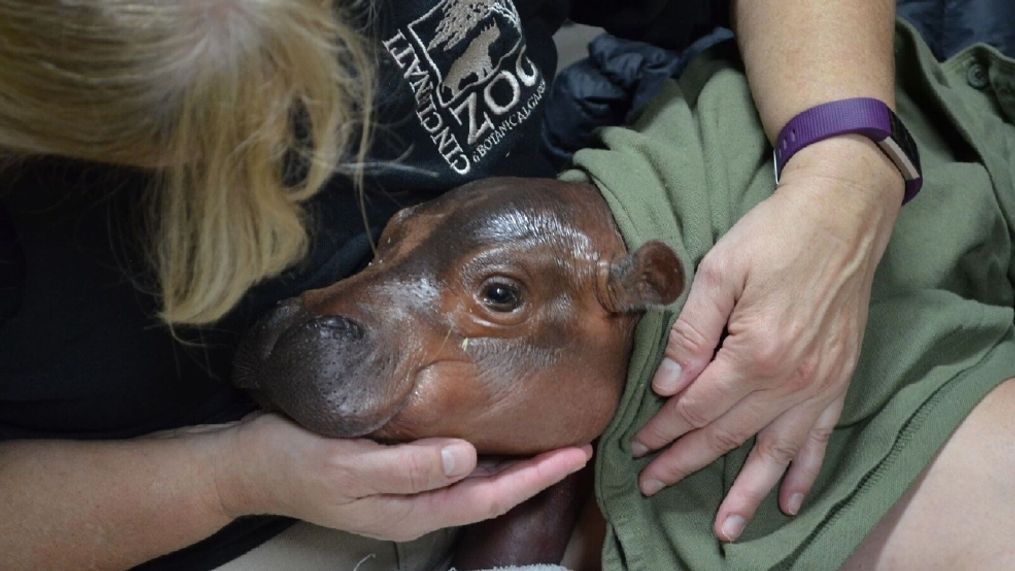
(325, 372)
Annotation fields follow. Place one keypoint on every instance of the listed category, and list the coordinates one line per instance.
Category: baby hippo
(501, 313)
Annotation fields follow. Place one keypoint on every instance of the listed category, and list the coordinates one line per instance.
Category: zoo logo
(473, 83)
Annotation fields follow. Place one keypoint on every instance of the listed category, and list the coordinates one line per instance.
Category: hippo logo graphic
(462, 38)
(466, 64)
(474, 62)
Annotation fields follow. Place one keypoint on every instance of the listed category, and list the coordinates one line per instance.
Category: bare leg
(960, 513)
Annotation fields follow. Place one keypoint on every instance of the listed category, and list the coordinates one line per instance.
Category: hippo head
(501, 312)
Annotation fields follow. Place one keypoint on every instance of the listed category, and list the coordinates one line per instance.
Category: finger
(490, 466)
(480, 498)
(804, 470)
(717, 391)
(776, 446)
(410, 468)
(701, 447)
(696, 332)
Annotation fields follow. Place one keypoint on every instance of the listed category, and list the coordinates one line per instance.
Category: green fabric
(940, 334)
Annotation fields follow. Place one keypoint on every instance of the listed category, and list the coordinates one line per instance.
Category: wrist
(231, 482)
(854, 161)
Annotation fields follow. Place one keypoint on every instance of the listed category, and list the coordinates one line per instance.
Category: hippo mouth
(325, 372)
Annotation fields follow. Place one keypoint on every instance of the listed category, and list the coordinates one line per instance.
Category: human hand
(271, 465)
(791, 285)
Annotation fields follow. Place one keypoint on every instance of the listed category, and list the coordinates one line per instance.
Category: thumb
(695, 334)
(415, 467)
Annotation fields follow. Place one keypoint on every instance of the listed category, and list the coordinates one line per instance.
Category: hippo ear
(651, 276)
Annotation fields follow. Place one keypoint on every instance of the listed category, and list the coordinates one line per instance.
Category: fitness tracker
(863, 116)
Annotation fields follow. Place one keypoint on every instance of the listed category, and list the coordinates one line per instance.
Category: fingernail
(651, 487)
(733, 527)
(794, 503)
(638, 449)
(455, 458)
(668, 376)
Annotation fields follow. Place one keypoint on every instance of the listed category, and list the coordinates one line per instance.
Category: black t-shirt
(82, 354)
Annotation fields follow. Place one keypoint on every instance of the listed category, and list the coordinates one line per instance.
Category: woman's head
(217, 98)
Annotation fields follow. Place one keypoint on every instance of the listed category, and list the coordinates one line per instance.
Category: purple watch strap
(863, 116)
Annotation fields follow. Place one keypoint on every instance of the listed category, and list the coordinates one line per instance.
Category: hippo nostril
(336, 326)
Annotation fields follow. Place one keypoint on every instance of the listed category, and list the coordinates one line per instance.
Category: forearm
(801, 53)
(104, 505)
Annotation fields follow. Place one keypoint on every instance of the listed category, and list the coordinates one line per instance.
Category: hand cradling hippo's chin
(501, 312)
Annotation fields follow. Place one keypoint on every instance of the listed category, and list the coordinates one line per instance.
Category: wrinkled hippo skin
(501, 312)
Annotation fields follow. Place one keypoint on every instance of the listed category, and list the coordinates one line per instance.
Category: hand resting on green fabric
(791, 281)
(790, 284)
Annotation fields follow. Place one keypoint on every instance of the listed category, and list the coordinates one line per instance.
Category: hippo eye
(501, 296)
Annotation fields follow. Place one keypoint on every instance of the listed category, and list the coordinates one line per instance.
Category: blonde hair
(242, 109)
